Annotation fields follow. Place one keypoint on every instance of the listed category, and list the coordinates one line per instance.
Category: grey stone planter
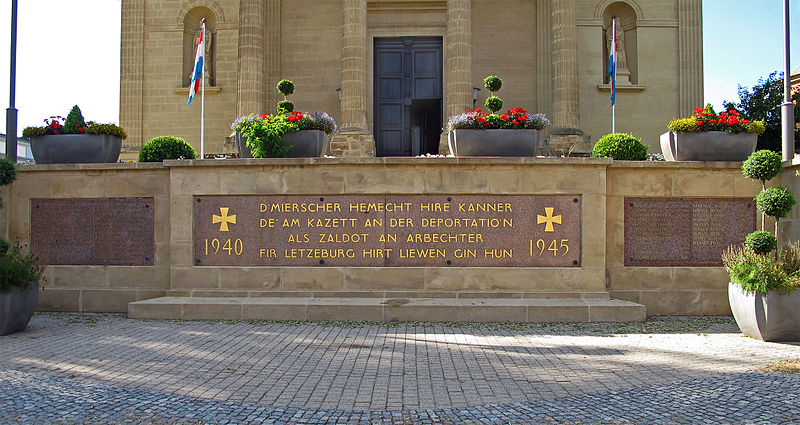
(75, 148)
(16, 309)
(771, 317)
(708, 146)
(466, 142)
(307, 143)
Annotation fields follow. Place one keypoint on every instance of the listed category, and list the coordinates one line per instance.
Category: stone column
(251, 57)
(566, 135)
(354, 139)
(459, 61)
(690, 51)
(272, 63)
(132, 73)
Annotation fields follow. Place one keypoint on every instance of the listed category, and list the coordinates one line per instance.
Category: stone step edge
(393, 309)
(313, 293)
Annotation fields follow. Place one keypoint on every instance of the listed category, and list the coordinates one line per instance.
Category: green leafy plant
(18, 270)
(8, 172)
(620, 146)
(762, 102)
(492, 83)
(108, 129)
(762, 165)
(705, 119)
(285, 87)
(285, 106)
(775, 202)
(265, 135)
(74, 123)
(31, 132)
(760, 242)
(166, 147)
(758, 272)
(494, 103)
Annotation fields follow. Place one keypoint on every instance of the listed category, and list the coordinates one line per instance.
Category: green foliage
(4, 246)
(762, 102)
(285, 87)
(775, 201)
(109, 129)
(762, 165)
(683, 125)
(17, 270)
(285, 106)
(790, 259)
(620, 146)
(265, 135)
(756, 127)
(760, 242)
(74, 123)
(758, 272)
(493, 84)
(31, 132)
(166, 147)
(8, 171)
(494, 103)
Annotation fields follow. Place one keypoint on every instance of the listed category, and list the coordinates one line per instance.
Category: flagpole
(614, 77)
(203, 100)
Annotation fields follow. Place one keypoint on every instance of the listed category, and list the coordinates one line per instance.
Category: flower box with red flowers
(480, 133)
(707, 136)
(284, 135)
(73, 141)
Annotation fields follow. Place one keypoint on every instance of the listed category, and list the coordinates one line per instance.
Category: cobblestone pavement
(108, 369)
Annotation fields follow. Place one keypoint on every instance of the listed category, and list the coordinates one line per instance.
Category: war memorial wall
(647, 232)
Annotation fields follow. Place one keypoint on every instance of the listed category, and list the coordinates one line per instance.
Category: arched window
(191, 33)
(627, 64)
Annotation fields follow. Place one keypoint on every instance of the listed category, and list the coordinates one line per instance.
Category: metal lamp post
(11, 112)
(787, 108)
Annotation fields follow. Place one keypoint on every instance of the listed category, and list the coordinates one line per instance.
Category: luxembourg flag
(197, 75)
(612, 60)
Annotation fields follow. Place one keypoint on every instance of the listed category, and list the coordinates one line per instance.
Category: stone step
(389, 309)
(253, 293)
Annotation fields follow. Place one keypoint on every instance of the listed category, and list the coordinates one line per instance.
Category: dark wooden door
(407, 112)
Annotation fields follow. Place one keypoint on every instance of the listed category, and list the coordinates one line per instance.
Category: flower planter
(75, 148)
(307, 143)
(771, 317)
(708, 146)
(16, 308)
(493, 142)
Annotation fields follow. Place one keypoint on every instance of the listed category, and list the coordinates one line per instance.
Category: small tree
(285, 87)
(493, 84)
(74, 122)
(763, 102)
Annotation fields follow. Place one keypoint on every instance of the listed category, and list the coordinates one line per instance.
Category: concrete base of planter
(75, 148)
(16, 309)
(771, 317)
(306, 143)
(466, 142)
(708, 146)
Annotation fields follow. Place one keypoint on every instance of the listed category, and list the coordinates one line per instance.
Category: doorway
(407, 111)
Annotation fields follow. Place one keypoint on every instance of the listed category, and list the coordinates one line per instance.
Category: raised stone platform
(389, 309)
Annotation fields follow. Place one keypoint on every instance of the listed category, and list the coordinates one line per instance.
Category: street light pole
(11, 112)
(787, 108)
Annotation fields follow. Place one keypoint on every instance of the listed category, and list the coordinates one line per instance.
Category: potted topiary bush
(166, 147)
(480, 133)
(706, 136)
(764, 280)
(19, 275)
(71, 140)
(621, 147)
(285, 134)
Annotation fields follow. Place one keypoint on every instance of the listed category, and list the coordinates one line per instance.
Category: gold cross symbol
(223, 219)
(549, 219)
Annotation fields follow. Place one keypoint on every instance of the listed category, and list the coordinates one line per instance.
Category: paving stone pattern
(108, 369)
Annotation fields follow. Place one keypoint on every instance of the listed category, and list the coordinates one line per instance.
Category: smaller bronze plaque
(93, 232)
(684, 232)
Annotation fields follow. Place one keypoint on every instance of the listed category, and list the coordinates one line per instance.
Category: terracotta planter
(467, 142)
(771, 317)
(306, 143)
(16, 308)
(708, 146)
(75, 148)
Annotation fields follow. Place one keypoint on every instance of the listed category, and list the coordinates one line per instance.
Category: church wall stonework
(303, 42)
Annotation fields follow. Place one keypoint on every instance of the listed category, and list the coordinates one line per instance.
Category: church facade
(392, 72)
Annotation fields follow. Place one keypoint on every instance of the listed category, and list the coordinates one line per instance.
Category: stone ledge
(391, 309)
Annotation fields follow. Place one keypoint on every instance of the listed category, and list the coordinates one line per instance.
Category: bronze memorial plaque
(388, 230)
(684, 232)
(93, 232)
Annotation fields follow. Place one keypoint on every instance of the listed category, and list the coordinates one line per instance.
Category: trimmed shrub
(493, 83)
(775, 201)
(285, 87)
(760, 242)
(494, 103)
(74, 122)
(8, 171)
(166, 147)
(285, 106)
(762, 165)
(620, 146)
